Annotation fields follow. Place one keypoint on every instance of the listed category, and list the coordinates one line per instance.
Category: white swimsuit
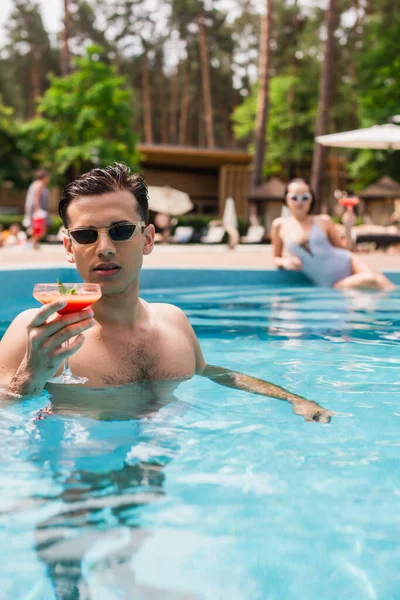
(322, 262)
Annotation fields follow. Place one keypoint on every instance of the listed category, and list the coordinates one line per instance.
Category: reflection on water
(181, 490)
(104, 452)
(120, 403)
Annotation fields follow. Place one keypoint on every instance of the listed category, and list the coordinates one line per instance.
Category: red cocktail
(78, 296)
(349, 201)
(76, 302)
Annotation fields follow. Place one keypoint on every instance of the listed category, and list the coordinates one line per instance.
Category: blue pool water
(221, 494)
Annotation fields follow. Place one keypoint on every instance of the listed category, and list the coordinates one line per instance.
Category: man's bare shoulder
(17, 330)
(25, 316)
(167, 312)
(13, 344)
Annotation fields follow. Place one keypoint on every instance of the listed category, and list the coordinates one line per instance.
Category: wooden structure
(209, 176)
(12, 201)
(380, 200)
(268, 198)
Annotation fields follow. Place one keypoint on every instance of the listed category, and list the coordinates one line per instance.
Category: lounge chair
(182, 235)
(381, 240)
(255, 235)
(215, 235)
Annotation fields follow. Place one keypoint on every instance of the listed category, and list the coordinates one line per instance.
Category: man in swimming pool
(105, 214)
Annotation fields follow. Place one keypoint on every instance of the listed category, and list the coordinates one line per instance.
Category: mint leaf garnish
(63, 290)
(61, 287)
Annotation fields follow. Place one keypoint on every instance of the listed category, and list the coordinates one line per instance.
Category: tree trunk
(164, 124)
(357, 38)
(225, 111)
(262, 100)
(201, 133)
(173, 113)
(324, 104)
(148, 128)
(65, 52)
(184, 106)
(291, 132)
(205, 77)
(35, 78)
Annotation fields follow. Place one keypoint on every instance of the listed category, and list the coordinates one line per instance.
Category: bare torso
(157, 348)
(122, 402)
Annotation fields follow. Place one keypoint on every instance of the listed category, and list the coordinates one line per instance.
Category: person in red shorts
(39, 226)
(36, 207)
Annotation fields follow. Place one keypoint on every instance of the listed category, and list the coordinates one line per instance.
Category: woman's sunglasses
(123, 232)
(300, 197)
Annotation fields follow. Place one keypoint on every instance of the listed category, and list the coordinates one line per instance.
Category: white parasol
(169, 201)
(386, 137)
(229, 218)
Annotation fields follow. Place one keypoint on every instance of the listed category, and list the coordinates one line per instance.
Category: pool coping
(161, 268)
(14, 280)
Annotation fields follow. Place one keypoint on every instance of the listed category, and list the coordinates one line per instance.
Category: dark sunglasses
(122, 232)
(302, 197)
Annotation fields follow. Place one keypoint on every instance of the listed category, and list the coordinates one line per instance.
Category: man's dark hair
(102, 181)
(301, 180)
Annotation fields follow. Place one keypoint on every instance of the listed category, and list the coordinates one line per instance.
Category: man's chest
(120, 360)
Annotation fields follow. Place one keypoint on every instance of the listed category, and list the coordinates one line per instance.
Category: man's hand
(311, 411)
(45, 351)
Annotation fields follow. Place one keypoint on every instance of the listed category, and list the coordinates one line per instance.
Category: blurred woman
(315, 247)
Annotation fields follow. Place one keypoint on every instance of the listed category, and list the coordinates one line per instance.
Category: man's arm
(33, 349)
(309, 410)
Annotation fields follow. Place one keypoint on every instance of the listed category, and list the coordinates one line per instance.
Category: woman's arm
(288, 262)
(348, 220)
(332, 232)
(277, 243)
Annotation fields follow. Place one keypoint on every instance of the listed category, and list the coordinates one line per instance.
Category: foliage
(290, 125)
(7, 220)
(85, 120)
(198, 222)
(30, 57)
(379, 87)
(14, 168)
(201, 222)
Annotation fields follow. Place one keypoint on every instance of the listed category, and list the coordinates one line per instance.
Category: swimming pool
(221, 494)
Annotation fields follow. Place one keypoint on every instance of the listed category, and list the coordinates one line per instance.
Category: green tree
(289, 129)
(327, 76)
(85, 120)
(13, 166)
(261, 128)
(186, 16)
(83, 26)
(30, 57)
(379, 93)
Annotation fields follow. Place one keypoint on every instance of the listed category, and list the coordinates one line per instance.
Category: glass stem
(67, 369)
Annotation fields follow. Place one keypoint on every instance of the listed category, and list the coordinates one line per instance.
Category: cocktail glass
(78, 297)
(349, 201)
